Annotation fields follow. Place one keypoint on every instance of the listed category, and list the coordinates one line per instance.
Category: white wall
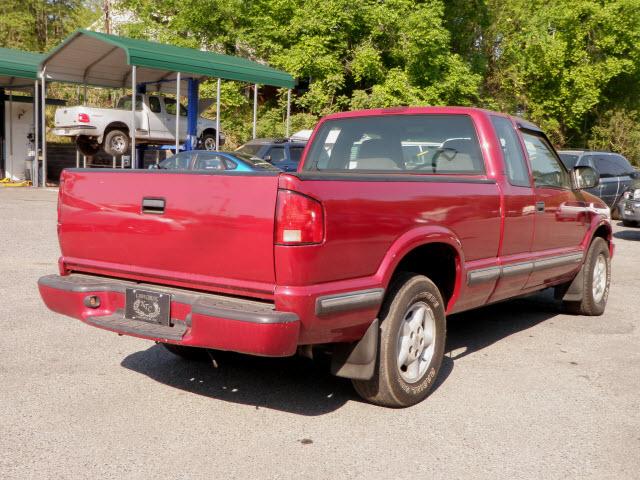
(18, 126)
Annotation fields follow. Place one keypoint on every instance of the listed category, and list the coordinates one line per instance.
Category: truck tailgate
(214, 233)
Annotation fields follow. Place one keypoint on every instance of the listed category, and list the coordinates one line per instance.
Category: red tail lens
(299, 219)
(83, 118)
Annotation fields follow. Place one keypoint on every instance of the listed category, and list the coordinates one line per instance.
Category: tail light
(299, 219)
(83, 118)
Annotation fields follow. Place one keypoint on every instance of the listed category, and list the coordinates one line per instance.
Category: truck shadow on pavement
(304, 387)
(628, 234)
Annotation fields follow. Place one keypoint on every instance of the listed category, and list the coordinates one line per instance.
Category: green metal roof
(104, 60)
(16, 67)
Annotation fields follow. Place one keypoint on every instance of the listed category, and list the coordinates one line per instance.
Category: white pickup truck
(110, 129)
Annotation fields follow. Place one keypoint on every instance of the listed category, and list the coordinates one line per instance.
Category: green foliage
(39, 25)
(618, 131)
(572, 66)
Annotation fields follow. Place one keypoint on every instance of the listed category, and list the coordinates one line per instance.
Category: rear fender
(419, 237)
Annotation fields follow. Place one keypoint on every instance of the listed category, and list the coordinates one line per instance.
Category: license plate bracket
(148, 306)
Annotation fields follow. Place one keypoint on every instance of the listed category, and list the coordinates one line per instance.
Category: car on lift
(279, 152)
(109, 129)
(616, 173)
(210, 161)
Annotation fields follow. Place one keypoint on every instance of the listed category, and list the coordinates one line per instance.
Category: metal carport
(103, 60)
(19, 71)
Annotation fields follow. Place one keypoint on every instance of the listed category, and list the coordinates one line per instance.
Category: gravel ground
(524, 392)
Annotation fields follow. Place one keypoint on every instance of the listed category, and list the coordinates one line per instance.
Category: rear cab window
(441, 144)
(514, 160)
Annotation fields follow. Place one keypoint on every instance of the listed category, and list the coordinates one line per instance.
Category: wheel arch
(114, 126)
(436, 253)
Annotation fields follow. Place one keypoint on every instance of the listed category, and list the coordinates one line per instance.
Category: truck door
(560, 213)
(518, 204)
(157, 120)
(170, 119)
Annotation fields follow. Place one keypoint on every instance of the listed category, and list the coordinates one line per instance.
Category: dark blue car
(280, 153)
(616, 173)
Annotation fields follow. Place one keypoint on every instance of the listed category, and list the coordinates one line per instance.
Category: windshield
(250, 149)
(569, 160)
(254, 161)
(435, 144)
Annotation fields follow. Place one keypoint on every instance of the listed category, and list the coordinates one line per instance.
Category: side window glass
(154, 105)
(209, 162)
(295, 153)
(277, 154)
(547, 169)
(170, 105)
(612, 166)
(514, 160)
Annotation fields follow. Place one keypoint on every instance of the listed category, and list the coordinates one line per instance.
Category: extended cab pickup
(394, 219)
(110, 129)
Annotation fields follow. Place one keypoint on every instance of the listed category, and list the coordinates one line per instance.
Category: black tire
(591, 305)
(116, 142)
(388, 387)
(87, 145)
(629, 223)
(207, 141)
(615, 213)
(188, 353)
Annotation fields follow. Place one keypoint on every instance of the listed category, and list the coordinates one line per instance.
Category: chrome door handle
(539, 206)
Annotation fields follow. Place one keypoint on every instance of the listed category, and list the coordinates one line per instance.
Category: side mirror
(153, 166)
(585, 177)
(267, 158)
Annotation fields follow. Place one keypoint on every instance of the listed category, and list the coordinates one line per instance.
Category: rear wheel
(208, 141)
(87, 145)
(596, 276)
(116, 142)
(411, 345)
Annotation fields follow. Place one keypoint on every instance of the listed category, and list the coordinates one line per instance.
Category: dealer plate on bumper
(148, 306)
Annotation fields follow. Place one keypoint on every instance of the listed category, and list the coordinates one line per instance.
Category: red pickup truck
(394, 219)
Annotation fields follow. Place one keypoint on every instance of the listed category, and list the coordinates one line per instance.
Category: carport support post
(288, 113)
(43, 113)
(36, 135)
(192, 114)
(255, 109)
(133, 116)
(178, 80)
(218, 115)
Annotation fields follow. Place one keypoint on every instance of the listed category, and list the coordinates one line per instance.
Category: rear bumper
(76, 131)
(197, 319)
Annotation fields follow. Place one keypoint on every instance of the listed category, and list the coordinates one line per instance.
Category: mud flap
(571, 292)
(357, 360)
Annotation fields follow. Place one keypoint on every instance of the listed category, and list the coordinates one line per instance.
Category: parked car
(616, 173)
(205, 160)
(279, 152)
(360, 252)
(109, 129)
(629, 206)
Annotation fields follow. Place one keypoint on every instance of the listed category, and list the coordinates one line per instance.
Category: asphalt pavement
(524, 392)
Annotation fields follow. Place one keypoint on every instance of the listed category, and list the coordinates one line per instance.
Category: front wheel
(596, 279)
(411, 345)
(629, 223)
